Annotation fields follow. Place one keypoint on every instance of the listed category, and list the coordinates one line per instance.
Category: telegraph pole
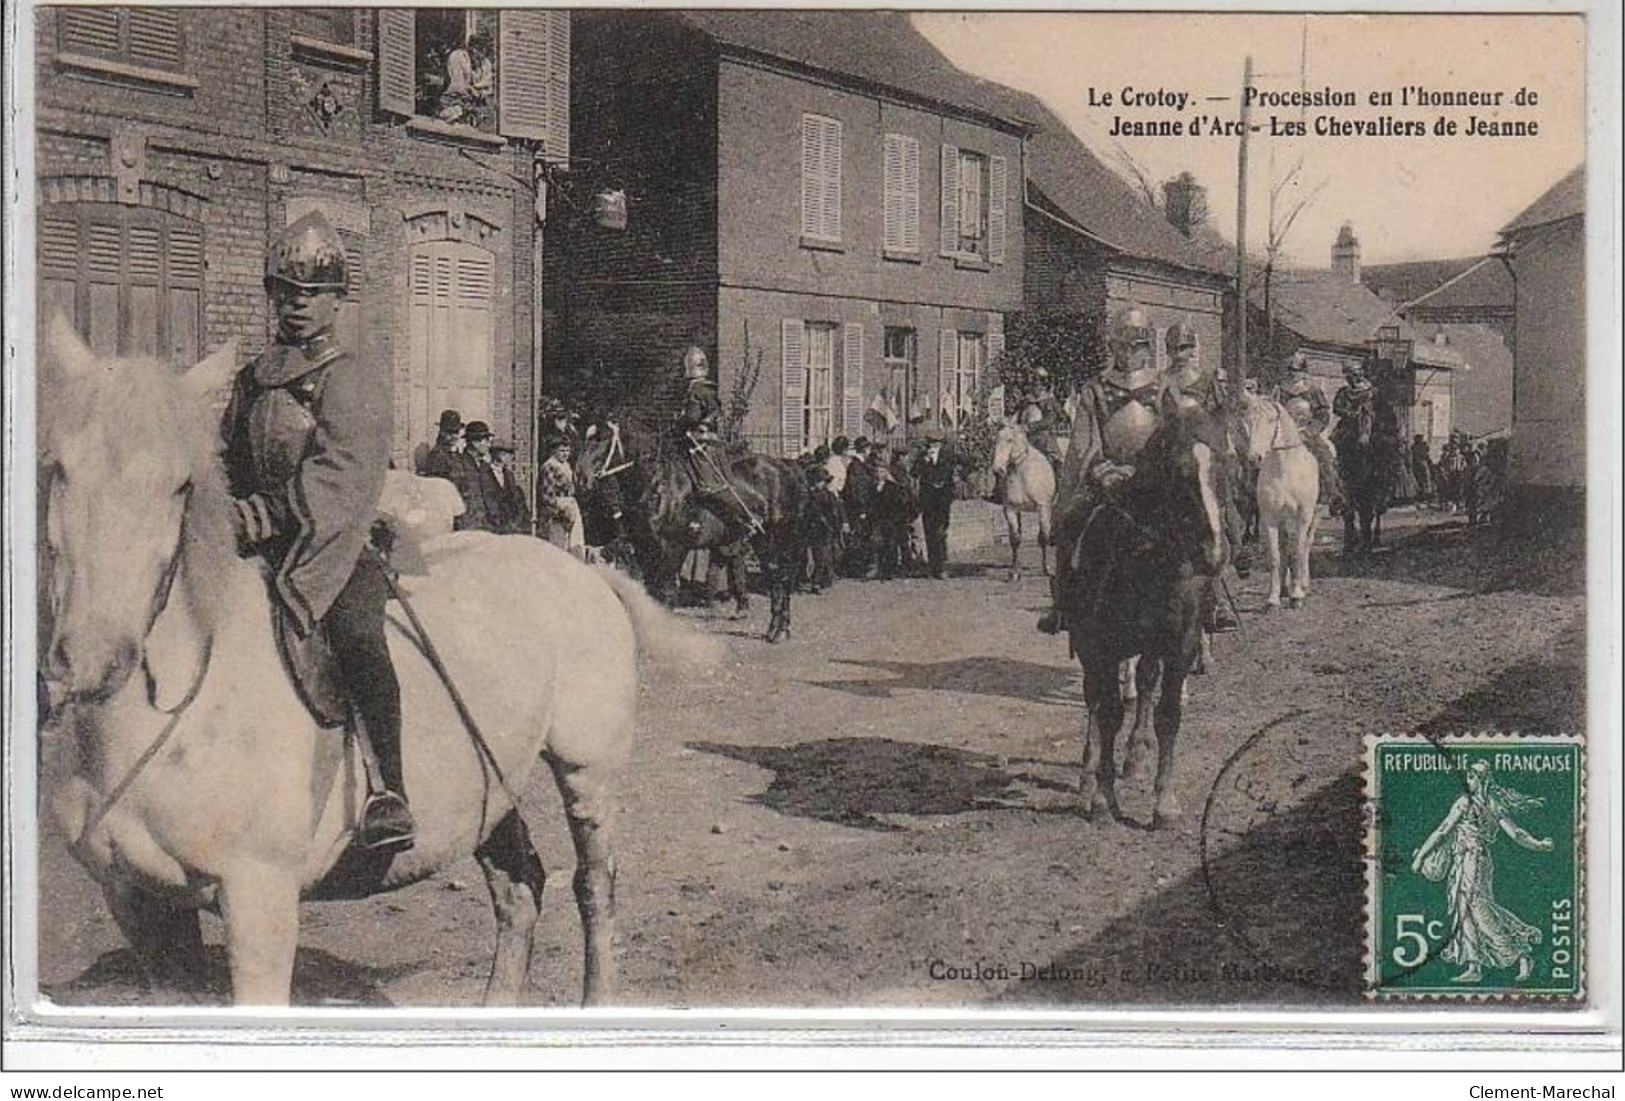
(1238, 384)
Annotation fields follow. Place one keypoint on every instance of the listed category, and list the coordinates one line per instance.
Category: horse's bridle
(1281, 416)
(614, 450)
(160, 601)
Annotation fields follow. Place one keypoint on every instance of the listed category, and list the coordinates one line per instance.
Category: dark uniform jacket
(701, 407)
(307, 439)
(936, 484)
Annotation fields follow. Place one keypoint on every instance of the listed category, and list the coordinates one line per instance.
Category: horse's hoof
(1166, 815)
(1295, 603)
(1272, 605)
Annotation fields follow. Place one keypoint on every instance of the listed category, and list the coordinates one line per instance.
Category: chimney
(1346, 254)
(1184, 201)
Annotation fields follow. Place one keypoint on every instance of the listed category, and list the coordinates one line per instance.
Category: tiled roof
(1325, 308)
(1566, 199)
(1083, 190)
(877, 47)
(1478, 282)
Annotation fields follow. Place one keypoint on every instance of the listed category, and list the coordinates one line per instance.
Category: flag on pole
(883, 413)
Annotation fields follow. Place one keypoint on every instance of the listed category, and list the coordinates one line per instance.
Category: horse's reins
(615, 448)
(426, 644)
(160, 601)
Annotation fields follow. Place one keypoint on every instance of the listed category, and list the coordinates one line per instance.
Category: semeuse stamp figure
(1436, 812)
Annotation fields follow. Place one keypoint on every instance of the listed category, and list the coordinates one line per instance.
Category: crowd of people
(482, 468)
(877, 511)
(1467, 477)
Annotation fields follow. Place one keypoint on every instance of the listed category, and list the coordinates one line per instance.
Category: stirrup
(386, 824)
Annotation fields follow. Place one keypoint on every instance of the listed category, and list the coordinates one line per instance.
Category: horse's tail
(662, 637)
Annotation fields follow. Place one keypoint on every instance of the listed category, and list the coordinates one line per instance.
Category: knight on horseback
(1306, 402)
(1117, 411)
(697, 424)
(307, 440)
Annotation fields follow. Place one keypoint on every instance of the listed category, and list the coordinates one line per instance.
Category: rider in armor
(307, 440)
(1117, 411)
(697, 421)
(1305, 402)
(1186, 377)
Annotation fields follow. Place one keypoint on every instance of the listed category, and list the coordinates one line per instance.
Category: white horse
(1029, 486)
(187, 772)
(1288, 491)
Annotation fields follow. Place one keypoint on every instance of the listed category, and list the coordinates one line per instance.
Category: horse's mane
(141, 406)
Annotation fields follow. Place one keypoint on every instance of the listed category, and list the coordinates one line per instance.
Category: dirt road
(881, 811)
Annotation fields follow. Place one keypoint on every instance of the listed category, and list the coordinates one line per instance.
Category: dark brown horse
(1369, 455)
(1142, 584)
(665, 513)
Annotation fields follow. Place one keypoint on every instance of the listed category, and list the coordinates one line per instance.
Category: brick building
(172, 143)
(818, 198)
(1094, 244)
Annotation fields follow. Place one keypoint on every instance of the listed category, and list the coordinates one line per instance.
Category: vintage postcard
(1003, 516)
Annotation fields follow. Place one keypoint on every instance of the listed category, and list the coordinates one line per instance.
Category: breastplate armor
(1298, 408)
(1124, 434)
(280, 425)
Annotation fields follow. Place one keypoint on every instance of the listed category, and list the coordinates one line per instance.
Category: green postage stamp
(1474, 867)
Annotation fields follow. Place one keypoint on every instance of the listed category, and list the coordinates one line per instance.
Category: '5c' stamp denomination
(1474, 876)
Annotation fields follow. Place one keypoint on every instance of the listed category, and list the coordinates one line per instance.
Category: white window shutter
(397, 61)
(911, 195)
(995, 337)
(523, 86)
(948, 371)
(793, 346)
(558, 88)
(832, 179)
(950, 200)
(892, 204)
(996, 189)
(852, 379)
(812, 191)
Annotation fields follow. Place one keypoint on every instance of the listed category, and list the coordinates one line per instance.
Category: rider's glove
(252, 521)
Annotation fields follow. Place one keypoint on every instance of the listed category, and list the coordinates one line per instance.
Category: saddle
(412, 511)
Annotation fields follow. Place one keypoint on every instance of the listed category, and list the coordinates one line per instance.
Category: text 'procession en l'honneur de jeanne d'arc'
(1169, 117)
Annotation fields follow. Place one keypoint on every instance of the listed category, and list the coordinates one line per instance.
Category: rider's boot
(355, 626)
(1053, 622)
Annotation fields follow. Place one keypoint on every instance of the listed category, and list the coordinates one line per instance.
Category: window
(130, 279)
(974, 216)
(901, 205)
(149, 38)
(972, 204)
(972, 359)
(460, 74)
(898, 402)
(822, 392)
(333, 25)
(963, 357)
(819, 407)
(820, 178)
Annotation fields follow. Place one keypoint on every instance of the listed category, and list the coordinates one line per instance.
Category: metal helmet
(1179, 337)
(695, 364)
(1129, 330)
(1133, 345)
(308, 256)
